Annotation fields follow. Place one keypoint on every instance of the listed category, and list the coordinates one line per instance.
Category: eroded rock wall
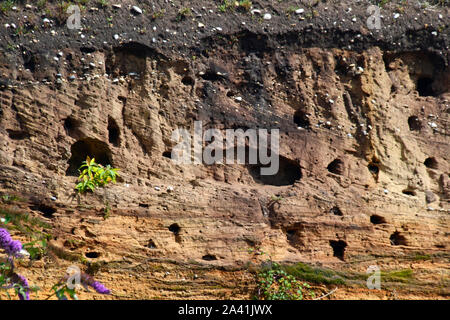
(364, 148)
(369, 143)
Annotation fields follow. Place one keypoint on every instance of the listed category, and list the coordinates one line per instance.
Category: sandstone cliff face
(364, 153)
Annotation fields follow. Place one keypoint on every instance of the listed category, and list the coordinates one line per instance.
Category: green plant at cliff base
(93, 175)
(275, 284)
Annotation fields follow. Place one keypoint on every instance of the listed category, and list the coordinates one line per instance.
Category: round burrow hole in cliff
(17, 134)
(87, 50)
(47, 210)
(188, 81)
(409, 192)
(376, 219)
(397, 239)
(88, 147)
(336, 166)
(291, 233)
(336, 211)
(210, 76)
(301, 119)
(30, 61)
(414, 123)
(92, 254)
(151, 244)
(373, 168)
(425, 87)
(431, 163)
(338, 248)
(294, 235)
(209, 257)
(71, 126)
(167, 154)
(175, 228)
(289, 171)
(113, 132)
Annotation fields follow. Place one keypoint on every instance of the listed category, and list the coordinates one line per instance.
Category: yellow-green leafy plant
(274, 283)
(93, 175)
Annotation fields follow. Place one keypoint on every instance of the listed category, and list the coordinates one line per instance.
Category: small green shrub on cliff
(275, 284)
(93, 175)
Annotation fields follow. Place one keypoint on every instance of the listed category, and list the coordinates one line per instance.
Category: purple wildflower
(5, 238)
(97, 286)
(100, 288)
(12, 247)
(21, 280)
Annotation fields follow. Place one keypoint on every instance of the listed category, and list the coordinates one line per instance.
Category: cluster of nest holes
(92, 254)
(151, 244)
(288, 173)
(209, 257)
(336, 211)
(336, 166)
(175, 229)
(376, 219)
(338, 247)
(414, 123)
(17, 134)
(397, 239)
(301, 119)
(46, 210)
(88, 147)
(113, 132)
(431, 163)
